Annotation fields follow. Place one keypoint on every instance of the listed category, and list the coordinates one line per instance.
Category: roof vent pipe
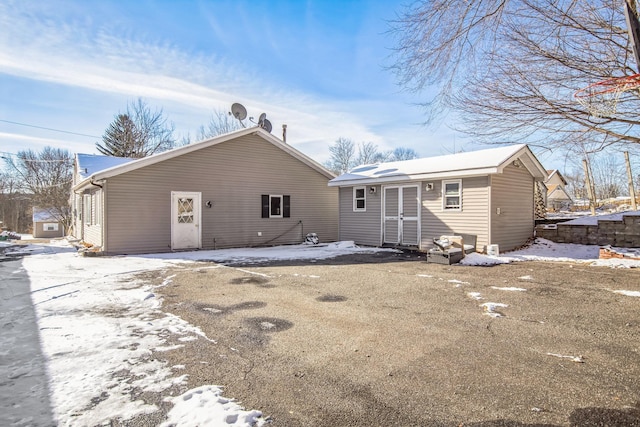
(284, 133)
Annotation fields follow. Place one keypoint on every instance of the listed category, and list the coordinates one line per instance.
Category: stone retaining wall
(622, 234)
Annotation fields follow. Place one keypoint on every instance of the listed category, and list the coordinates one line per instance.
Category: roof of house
(552, 189)
(88, 164)
(133, 164)
(45, 215)
(552, 172)
(472, 163)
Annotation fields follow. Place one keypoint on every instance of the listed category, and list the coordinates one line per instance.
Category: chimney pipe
(284, 133)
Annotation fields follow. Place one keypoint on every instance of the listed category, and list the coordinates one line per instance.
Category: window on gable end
(276, 206)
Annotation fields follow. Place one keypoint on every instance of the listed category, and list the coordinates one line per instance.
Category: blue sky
(318, 66)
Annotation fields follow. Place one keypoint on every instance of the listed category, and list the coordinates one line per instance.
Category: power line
(7, 156)
(51, 129)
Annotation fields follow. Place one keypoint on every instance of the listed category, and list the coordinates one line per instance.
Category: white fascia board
(416, 177)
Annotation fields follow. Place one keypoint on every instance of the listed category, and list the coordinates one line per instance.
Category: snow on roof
(45, 215)
(89, 164)
(468, 163)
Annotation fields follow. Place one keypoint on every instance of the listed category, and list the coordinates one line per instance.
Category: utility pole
(632, 191)
(590, 192)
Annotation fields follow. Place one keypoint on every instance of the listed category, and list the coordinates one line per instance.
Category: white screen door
(401, 215)
(185, 220)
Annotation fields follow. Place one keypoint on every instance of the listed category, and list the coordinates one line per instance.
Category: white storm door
(409, 215)
(391, 219)
(401, 215)
(185, 220)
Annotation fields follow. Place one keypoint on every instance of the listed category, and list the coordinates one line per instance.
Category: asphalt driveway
(388, 340)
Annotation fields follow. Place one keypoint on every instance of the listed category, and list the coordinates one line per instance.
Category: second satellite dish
(238, 111)
(266, 125)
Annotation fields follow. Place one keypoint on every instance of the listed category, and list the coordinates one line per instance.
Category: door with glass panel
(185, 220)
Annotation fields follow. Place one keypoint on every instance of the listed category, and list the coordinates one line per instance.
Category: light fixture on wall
(208, 204)
(372, 190)
(429, 186)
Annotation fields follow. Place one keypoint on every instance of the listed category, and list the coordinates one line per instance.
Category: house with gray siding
(47, 223)
(486, 193)
(245, 188)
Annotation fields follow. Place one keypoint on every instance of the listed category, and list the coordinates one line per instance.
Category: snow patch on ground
(628, 293)
(509, 288)
(545, 250)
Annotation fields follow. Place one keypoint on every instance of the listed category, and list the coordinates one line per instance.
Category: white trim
(399, 216)
(86, 209)
(400, 179)
(355, 199)
(197, 220)
(444, 195)
(281, 197)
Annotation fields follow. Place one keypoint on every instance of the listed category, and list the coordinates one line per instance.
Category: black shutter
(286, 208)
(265, 206)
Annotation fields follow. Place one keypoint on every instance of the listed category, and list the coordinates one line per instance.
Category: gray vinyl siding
(92, 232)
(364, 228)
(232, 175)
(473, 218)
(513, 193)
(40, 232)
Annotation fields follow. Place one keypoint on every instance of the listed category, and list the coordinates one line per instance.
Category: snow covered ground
(99, 327)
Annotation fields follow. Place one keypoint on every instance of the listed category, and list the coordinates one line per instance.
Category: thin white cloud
(186, 85)
(14, 142)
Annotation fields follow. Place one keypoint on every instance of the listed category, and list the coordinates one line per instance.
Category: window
(452, 195)
(185, 210)
(276, 206)
(50, 226)
(359, 199)
(86, 209)
(98, 208)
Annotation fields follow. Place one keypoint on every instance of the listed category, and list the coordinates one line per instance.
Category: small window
(276, 206)
(98, 208)
(50, 226)
(359, 199)
(86, 210)
(452, 195)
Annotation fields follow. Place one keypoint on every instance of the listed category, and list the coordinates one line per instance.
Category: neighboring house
(487, 193)
(557, 196)
(245, 188)
(46, 223)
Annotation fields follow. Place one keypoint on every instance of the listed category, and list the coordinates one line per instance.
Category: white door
(185, 220)
(401, 215)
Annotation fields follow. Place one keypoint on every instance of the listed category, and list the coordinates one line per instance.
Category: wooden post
(590, 192)
(632, 190)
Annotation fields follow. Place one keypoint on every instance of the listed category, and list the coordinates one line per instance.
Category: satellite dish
(238, 111)
(266, 125)
(262, 118)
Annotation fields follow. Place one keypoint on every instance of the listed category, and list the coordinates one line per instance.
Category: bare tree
(46, 177)
(342, 156)
(608, 175)
(368, 153)
(402, 153)
(139, 132)
(510, 68)
(220, 123)
(15, 205)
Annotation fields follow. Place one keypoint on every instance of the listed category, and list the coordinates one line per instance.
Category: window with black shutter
(276, 206)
